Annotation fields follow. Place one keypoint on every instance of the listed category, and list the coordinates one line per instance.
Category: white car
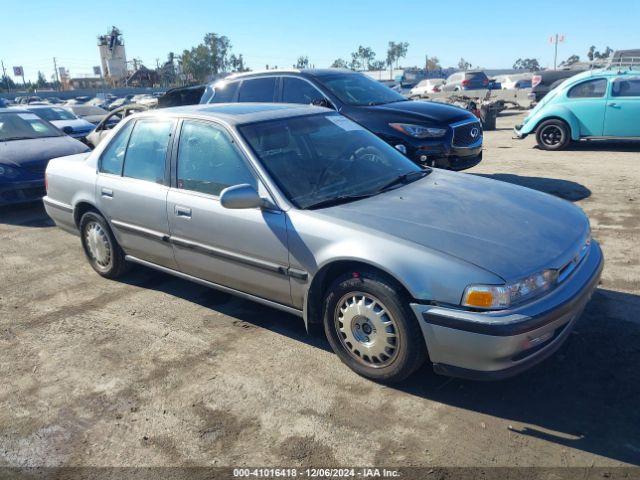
(64, 119)
(514, 82)
(429, 85)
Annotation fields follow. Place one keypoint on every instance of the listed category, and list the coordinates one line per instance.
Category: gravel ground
(153, 370)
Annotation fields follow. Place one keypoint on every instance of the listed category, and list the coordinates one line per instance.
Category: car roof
(312, 72)
(240, 113)
(602, 72)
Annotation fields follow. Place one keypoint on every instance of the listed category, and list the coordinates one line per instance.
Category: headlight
(8, 172)
(417, 131)
(493, 297)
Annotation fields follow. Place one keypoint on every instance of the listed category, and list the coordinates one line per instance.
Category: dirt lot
(152, 370)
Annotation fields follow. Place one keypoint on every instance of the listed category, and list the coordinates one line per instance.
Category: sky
(489, 34)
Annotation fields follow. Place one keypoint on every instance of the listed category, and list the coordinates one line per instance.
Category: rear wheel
(372, 329)
(100, 246)
(553, 135)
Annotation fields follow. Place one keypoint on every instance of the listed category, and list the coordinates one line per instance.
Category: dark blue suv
(429, 133)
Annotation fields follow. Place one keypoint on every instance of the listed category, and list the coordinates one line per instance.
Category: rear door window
(590, 89)
(258, 90)
(224, 93)
(147, 150)
(626, 87)
(295, 90)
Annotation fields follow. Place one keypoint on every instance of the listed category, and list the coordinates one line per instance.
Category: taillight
(465, 83)
(485, 81)
(535, 80)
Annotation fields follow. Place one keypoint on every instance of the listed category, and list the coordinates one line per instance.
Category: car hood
(38, 151)
(78, 124)
(435, 112)
(508, 230)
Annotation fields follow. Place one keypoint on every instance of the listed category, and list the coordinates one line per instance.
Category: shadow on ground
(584, 397)
(25, 215)
(566, 189)
(601, 146)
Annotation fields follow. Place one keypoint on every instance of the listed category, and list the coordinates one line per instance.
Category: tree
(302, 62)
(395, 52)
(8, 83)
(570, 61)
(42, 81)
(236, 63)
(594, 54)
(339, 63)
(530, 64)
(463, 64)
(377, 65)
(210, 58)
(433, 64)
(362, 58)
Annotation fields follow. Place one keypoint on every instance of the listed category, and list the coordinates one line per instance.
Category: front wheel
(372, 329)
(553, 135)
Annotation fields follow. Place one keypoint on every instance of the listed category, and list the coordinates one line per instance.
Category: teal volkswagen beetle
(594, 104)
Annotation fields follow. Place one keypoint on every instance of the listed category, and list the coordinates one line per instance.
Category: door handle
(106, 192)
(184, 212)
(614, 105)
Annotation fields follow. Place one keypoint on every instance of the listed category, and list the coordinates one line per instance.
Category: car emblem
(475, 131)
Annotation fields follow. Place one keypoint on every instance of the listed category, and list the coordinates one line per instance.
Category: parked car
(4, 103)
(590, 105)
(111, 120)
(64, 119)
(177, 97)
(544, 81)
(304, 210)
(392, 84)
(90, 113)
(25, 100)
(470, 80)
(429, 133)
(119, 102)
(515, 81)
(27, 143)
(426, 86)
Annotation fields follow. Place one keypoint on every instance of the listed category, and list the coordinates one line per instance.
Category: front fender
(550, 112)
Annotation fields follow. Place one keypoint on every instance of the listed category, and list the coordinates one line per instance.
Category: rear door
(261, 89)
(244, 249)
(132, 186)
(587, 101)
(623, 108)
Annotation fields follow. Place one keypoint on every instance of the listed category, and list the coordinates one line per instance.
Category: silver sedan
(302, 209)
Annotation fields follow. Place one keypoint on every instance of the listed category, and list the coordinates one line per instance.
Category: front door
(244, 249)
(587, 101)
(132, 186)
(623, 108)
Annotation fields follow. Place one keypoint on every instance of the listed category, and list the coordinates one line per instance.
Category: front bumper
(517, 134)
(22, 192)
(496, 345)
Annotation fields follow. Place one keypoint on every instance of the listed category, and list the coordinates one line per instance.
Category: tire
(100, 246)
(385, 342)
(553, 135)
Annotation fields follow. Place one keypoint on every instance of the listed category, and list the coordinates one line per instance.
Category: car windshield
(87, 110)
(23, 126)
(357, 89)
(319, 159)
(54, 113)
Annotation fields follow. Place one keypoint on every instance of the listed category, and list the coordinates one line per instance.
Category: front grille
(467, 134)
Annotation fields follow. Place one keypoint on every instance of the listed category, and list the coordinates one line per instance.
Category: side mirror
(67, 130)
(241, 196)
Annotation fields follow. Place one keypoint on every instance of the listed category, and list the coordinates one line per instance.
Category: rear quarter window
(225, 93)
(595, 88)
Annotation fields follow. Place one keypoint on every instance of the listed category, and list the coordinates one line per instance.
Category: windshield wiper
(330, 202)
(403, 179)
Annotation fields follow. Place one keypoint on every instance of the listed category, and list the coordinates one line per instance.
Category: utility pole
(557, 38)
(55, 71)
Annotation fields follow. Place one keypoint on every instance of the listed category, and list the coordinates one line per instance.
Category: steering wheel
(359, 154)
